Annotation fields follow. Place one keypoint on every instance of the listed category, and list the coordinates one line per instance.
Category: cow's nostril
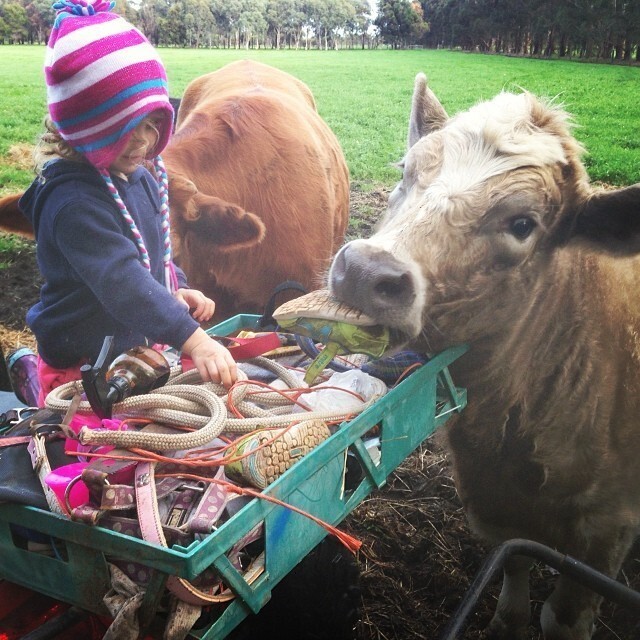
(393, 289)
(388, 289)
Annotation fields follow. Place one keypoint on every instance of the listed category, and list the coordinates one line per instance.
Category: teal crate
(404, 418)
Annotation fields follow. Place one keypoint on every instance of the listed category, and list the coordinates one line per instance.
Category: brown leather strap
(151, 528)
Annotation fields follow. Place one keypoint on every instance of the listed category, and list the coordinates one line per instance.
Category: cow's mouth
(324, 318)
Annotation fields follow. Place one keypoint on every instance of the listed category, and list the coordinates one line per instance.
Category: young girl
(100, 217)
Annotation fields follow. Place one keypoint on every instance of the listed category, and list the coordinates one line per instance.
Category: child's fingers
(219, 368)
(204, 309)
(181, 299)
(218, 372)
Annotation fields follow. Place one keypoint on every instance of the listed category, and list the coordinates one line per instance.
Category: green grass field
(365, 98)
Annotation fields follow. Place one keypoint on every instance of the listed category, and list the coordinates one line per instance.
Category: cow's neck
(548, 408)
(543, 340)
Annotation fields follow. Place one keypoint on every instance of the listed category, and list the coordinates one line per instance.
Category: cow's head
(485, 198)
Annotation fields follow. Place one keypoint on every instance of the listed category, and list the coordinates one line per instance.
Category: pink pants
(50, 378)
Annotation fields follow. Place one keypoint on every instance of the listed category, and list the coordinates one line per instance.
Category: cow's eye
(522, 227)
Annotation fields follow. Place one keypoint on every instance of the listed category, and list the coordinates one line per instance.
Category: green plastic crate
(405, 417)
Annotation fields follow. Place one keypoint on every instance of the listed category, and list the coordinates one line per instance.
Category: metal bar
(584, 574)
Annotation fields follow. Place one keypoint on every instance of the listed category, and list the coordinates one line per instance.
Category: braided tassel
(144, 255)
(163, 190)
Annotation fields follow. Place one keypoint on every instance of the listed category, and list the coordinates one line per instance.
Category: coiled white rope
(186, 402)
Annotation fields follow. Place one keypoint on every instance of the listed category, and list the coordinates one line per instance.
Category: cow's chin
(401, 337)
(398, 341)
(403, 323)
(402, 329)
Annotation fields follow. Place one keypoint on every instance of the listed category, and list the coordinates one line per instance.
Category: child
(101, 219)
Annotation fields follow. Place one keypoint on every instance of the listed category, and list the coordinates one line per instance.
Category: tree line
(588, 29)
(215, 23)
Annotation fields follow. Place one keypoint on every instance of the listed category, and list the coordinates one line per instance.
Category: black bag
(18, 480)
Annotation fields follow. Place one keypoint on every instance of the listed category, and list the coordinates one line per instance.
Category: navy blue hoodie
(95, 284)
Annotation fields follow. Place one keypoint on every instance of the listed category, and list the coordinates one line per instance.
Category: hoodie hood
(57, 173)
(54, 174)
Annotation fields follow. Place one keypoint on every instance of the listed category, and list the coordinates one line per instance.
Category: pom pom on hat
(103, 77)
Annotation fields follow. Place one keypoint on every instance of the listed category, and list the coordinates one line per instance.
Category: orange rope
(351, 543)
(291, 395)
(408, 370)
(213, 457)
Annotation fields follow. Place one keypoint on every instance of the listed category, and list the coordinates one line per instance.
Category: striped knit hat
(103, 77)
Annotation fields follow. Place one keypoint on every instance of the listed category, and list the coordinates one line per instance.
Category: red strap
(10, 441)
(247, 348)
(242, 348)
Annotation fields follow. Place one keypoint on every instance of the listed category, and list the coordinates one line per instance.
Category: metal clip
(193, 487)
(13, 416)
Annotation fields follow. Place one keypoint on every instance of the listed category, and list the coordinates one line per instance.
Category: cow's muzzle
(376, 282)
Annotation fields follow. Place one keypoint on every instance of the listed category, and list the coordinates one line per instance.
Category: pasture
(418, 557)
(365, 97)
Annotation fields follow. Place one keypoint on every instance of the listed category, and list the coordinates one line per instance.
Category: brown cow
(258, 187)
(11, 218)
(495, 238)
(249, 139)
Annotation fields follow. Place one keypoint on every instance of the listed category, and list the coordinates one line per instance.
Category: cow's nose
(371, 279)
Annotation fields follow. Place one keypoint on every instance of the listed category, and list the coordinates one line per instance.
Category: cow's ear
(181, 187)
(12, 220)
(427, 114)
(225, 225)
(612, 220)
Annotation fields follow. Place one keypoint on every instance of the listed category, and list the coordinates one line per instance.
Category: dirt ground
(418, 555)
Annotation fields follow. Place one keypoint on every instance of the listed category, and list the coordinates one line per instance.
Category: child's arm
(212, 360)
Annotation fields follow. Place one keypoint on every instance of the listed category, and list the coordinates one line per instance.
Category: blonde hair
(51, 145)
(152, 121)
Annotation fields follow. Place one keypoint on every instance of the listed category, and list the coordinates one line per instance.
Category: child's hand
(212, 360)
(201, 307)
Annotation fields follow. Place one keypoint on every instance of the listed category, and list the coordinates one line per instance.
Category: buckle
(13, 416)
(44, 430)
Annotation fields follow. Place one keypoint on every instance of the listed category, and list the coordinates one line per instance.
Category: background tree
(281, 17)
(590, 29)
(39, 18)
(173, 29)
(358, 26)
(253, 22)
(16, 21)
(400, 22)
(151, 15)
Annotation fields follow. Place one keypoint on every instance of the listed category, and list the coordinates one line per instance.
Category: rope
(206, 409)
(163, 191)
(133, 227)
(201, 407)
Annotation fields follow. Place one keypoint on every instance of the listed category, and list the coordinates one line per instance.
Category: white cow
(495, 238)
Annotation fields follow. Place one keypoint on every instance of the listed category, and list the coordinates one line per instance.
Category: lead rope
(163, 192)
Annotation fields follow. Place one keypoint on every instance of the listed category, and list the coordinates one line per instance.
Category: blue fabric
(95, 284)
(9, 401)
(388, 369)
